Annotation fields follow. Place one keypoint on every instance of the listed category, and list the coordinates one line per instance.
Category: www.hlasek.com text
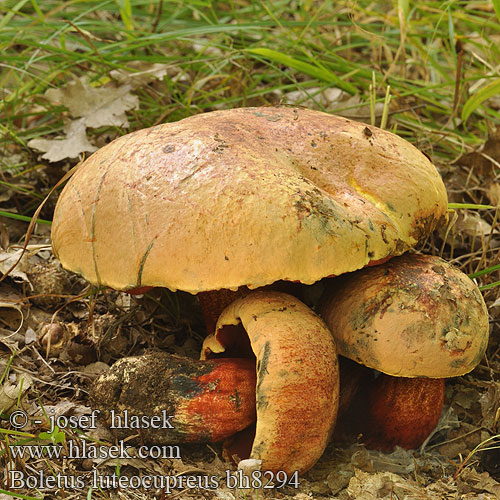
(85, 449)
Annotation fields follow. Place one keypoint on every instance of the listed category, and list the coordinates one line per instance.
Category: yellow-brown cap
(244, 197)
(414, 316)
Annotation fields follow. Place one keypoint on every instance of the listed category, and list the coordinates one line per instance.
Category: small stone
(249, 465)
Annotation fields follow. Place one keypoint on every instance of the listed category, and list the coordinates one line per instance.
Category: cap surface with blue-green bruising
(245, 197)
(414, 316)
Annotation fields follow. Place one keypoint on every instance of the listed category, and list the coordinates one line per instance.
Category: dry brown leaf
(366, 486)
(30, 336)
(493, 193)
(10, 393)
(6, 195)
(481, 482)
(71, 146)
(66, 407)
(9, 299)
(97, 106)
(224, 494)
(8, 258)
(473, 225)
(490, 402)
(339, 479)
(144, 73)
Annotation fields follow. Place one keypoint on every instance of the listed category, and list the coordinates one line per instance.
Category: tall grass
(437, 62)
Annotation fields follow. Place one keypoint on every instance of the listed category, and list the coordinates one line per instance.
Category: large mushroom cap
(244, 197)
(414, 316)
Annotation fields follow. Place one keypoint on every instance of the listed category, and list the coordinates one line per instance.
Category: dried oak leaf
(11, 393)
(70, 146)
(97, 106)
(143, 73)
(10, 299)
(8, 258)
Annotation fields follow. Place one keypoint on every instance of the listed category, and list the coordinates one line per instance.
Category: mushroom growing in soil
(291, 354)
(417, 319)
(225, 202)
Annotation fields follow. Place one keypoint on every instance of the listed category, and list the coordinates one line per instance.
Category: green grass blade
(496, 6)
(479, 97)
(18, 495)
(24, 218)
(471, 206)
(5, 20)
(126, 13)
(488, 270)
(320, 73)
(6, 369)
(38, 10)
(489, 286)
(12, 432)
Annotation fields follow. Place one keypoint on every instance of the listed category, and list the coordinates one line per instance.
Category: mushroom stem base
(207, 401)
(394, 411)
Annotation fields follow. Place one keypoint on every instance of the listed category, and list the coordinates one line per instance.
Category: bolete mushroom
(414, 316)
(297, 376)
(236, 200)
(293, 388)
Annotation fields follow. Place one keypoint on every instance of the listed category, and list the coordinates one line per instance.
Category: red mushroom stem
(401, 411)
(385, 411)
(208, 401)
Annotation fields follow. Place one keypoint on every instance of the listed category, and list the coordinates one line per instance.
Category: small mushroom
(414, 316)
(297, 376)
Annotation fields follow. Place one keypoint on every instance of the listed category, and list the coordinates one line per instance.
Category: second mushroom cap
(414, 316)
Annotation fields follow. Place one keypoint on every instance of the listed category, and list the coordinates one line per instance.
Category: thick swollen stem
(401, 411)
(388, 411)
(208, 400)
